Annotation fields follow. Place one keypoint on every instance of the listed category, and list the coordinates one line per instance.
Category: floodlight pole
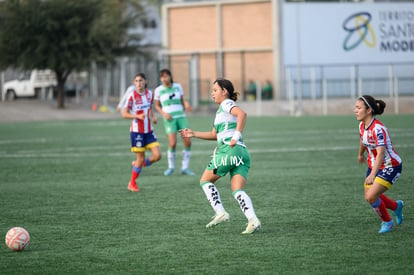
(1, 85)
(278, 62)
(299, 61)
(122, 77)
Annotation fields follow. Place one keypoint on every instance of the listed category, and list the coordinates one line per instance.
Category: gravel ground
(43, 110)
(38, 110)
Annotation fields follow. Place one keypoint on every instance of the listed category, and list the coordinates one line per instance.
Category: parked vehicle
(29, 84)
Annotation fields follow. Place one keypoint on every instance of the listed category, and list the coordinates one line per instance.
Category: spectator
(267, 92)
(251, 90)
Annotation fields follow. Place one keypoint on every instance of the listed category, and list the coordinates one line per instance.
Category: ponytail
(380, 105)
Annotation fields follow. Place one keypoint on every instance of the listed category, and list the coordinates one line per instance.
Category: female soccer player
(170, 103)
(230, 156)
(138, 108)
(384, 164)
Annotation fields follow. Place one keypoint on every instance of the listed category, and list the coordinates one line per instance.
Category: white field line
(65, 124)
(208, 152)
(125, 141)
(124, 144)
(45, 140)
(324, 131)
(264, 137)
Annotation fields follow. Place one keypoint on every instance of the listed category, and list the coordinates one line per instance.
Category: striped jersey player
(225, 123)
(138, 108)
(384, 164)
(169, 102)
(231, 156)
(140, 104)
(170, 99)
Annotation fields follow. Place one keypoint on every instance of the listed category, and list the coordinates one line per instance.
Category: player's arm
(188, 133)
(157, 105)
(152, 115)
(241, 122)
(361, 157)
(126, 114)
(181, 93)
(151, 111)
(186, 105)
(182, 101)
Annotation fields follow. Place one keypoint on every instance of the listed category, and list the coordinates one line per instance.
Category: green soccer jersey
(170, 99)
(225, 123)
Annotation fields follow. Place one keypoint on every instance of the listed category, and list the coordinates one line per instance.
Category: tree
(65, 35)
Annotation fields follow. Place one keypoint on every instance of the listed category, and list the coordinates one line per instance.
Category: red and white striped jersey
(137, 104)
(375, 135)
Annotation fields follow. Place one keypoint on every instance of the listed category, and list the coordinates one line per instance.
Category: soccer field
(66, 183)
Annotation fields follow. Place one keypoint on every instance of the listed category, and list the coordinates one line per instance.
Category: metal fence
(105, 83)
(108, 82)
(349, 80)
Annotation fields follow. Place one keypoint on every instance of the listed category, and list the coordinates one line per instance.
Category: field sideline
(65, 182)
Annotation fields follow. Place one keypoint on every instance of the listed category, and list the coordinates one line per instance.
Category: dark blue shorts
(387, 176)
(141, 142)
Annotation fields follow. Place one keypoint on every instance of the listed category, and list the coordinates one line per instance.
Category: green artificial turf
(66, 183)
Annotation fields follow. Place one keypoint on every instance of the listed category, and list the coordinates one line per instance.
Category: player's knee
(187, 142)
(156, 156)
(138, 163)
(371, 198)
(204, 180)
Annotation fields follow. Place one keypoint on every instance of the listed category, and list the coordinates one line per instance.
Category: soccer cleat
(133, 187)
(253, 226)
(168, 172)
(187, 172)
(398, 212)
(218, 218)
(386, 227)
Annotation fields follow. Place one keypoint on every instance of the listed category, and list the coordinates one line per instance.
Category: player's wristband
(237, 135)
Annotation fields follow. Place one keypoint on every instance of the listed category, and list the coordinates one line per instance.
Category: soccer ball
(17, 239)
